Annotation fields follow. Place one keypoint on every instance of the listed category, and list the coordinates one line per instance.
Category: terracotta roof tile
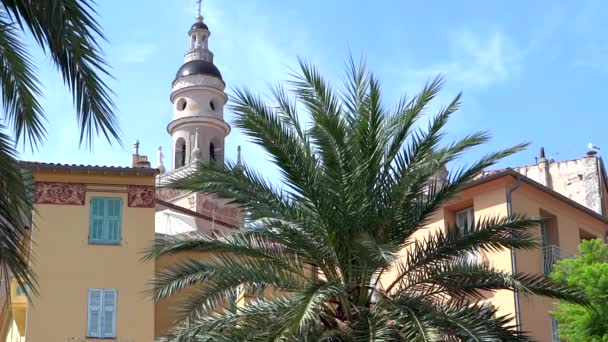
(34, 165)
(194, 213)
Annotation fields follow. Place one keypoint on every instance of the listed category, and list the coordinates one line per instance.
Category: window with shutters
(101, 322)
(465, 221)
(554, 331)
(106, 220)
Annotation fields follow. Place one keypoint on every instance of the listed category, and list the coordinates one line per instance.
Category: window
(182, 104)
(106, 220)
(180, 153)
(554, 331)
(211, 152)
(20, 291)
(101, 321)
(465, 221)
(212, 105)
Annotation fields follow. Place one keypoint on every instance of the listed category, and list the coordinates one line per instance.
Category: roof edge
(41, 166)
(194, 213)
(518, 176)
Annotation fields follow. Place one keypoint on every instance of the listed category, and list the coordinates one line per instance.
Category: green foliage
(68, 33)
(589, 272)
(358, 185)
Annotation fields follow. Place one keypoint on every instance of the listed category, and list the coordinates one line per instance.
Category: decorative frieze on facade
(169, 195)
(60, 193)
(218, 210)
(141, 196)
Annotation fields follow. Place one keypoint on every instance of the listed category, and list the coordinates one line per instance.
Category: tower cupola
(198, 129)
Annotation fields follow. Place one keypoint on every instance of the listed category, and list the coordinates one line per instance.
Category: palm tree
(68, 33)
(357, 187)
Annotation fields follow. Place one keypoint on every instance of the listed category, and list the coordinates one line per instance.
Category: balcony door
(465, 220)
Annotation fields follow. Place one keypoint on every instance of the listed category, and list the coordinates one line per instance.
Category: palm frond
(19, 84)
(16, 197)
(265, 127)
(360, 184)
(69, 32)
(490, 234)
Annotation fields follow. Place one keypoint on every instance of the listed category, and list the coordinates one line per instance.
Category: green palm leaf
(358, 188)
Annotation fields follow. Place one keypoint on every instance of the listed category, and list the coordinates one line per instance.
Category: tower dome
(198, 67)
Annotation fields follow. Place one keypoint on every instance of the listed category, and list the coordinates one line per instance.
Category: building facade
(573, 212)
(90, 226)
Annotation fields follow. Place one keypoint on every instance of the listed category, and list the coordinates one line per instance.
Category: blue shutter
(96, 229)
(113, 219)
(109, 313)
(94, 313)
(106, 220)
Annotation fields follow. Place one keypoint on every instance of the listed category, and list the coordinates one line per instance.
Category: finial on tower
(239, 160)
(160, 156)
(200, 4)
(196, 152)
(136, 147)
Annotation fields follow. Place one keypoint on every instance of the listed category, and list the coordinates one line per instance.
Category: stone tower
(198, 129)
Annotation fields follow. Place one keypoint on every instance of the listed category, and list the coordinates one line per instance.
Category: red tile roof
(195, 214)
(33, 165)
(518, 176)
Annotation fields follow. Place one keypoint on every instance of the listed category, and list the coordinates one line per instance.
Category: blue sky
(530, 71)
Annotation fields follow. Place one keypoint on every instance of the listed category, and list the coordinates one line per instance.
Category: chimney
(544, 171)
(139, 161)
(542, 158)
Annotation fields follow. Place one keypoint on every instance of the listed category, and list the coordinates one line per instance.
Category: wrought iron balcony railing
(551, 255)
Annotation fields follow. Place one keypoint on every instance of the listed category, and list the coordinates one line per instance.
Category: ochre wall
(487, 200)
(165, 314)
(531, 201)
(490, 199)
(67, 265)
(166, 311)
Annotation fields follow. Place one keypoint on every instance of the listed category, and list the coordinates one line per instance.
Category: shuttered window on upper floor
(105, 225)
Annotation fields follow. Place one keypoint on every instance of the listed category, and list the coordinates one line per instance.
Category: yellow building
(91, 224)
(567, 223)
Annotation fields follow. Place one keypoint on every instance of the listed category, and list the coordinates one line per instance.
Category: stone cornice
(197, 120)
(198, 81)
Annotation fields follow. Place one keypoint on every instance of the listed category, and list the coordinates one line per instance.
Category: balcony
(551, 255)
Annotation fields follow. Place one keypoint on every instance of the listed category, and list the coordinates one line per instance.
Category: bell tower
(198, 129)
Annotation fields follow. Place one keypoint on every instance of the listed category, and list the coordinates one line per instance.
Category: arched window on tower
(180, 152)
(211, 152)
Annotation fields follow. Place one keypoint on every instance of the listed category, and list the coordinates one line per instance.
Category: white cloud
(477, 60)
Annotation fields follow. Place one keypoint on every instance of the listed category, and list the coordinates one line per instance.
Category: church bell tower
(198, 129)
